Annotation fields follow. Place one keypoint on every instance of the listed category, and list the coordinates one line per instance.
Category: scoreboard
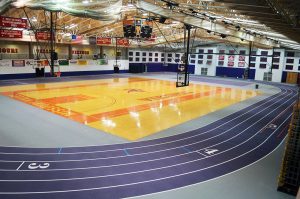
(137, 27)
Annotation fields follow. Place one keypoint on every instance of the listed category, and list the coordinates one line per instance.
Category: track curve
(138, 168)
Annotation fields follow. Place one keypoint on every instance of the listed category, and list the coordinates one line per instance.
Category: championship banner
(122, 42)
(11, 34)
(18, 63)
(104, 41)
(13, 22)
(43, 36)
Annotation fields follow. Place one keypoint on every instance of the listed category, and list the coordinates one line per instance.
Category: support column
(70, 55)
(52, 37)
(188, 28)
(272, 60)
(30, 50)
(247, 70)
(101, 52)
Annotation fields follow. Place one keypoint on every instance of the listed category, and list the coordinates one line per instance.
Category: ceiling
(266, 23)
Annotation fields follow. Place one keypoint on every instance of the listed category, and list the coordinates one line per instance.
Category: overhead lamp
(34, 19)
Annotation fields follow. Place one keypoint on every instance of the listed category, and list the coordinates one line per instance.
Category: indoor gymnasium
(149, 99)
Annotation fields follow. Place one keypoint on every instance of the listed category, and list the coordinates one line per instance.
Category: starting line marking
(20, 165)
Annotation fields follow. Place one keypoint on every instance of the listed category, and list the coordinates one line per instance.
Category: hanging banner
(43, 36)
(11, 34)
(122, 42)
(103, 41)
(13, 22)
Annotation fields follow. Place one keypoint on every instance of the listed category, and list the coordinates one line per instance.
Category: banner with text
(13, 22)
(11, 34)
(103, 41)
(122, 42)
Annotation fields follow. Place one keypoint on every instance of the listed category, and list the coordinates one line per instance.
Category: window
(209, 56)
(290, 54)
(267, 76)
(231, 51)
(150, 59)
(193, 56)
(298, 67)
(201, 51)
(169, 60)
(137, 53)
(162, 54)
(241, 64)
(144, 54)
(169, 55)
(130, 53)
(276, 54)
(253, 53)
(253, 59)
(221, 63)
(208, 62)
(150, 54)
(276, 60)
(192, 61)
(156, 59)
(144, 59)
(222, 51)
(252, 65)
(156, 54)
(290, 61)
(263, 59)
(130, 59)
(264, 52)
(162, 59)
(177, 55)
(200, 56)
(263, 66)
(210, 51)
(203, 71)
(242, 52)
(177, 60)
(200, 61)
(275, 66)
(289, 67)
(137, 59)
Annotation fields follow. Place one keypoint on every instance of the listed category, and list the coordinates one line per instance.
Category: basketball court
(131, 108)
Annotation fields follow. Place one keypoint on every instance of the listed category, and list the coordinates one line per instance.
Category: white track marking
(162, 143)
(20, 165)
